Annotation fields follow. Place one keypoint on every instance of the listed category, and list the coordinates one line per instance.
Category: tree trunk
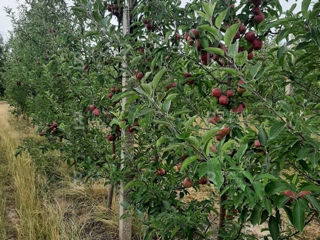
(125, 225)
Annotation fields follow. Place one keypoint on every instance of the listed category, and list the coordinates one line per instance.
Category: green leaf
(220, 18)
(241, 58)
(276, 187)
(188, 161)
(241, 151)
(314, 202)
(304, 7)
(230, 33)
(218, 51)
(233, 50)
(210, 29)
(254, 69)
(157, 77)
(209, 134)
(203, 169)
(262, 136)
(117, 97)
(259, 188)
(276, 129)
(214, 172)
(231, 71)
(274, 228)
(166, 105)
(298, 214)
(255, 215)
(265, 176)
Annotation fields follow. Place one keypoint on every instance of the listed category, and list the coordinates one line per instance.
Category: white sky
(5, 24)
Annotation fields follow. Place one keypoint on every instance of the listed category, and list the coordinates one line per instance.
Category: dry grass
(34, 209)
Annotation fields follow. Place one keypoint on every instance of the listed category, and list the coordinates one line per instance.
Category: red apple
(222, 133)
(109, 8)
(141, 50)
(257, 144)
(257, 44)
(256, 2)
(223, 100)
(161, 172)
(250, 36)
(110, 95)
(198, 44)
(259, 18)
(214, 149)
(203, 180)
(190, 40)
(214, 119)
(256, 10)
(96, 112)
(230, 93)
(303, 193)
(250, 55)
(289, 194)
(242, 29)
(110, 137)
(239, 109)
(216, 92)
(237, 36)
(195, 33)
(146, 21)
(186, 35)
(178, 167)
(139, 75)
(187, 183)
(186, 75)
(172, 85)
(241, 89)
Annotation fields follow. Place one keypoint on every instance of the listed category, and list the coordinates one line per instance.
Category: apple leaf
(230, 33)
(188, 161)
(274, 228)
(157, 77)
(241, 58)
(314, 202)
(276, 187)
(214, 172)
(259, 189)
(218, 51)
(262, 135)
(220, 18)
(298, 214)
(304, 7)
(233, 50)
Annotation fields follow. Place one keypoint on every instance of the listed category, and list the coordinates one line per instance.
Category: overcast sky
(5, 24)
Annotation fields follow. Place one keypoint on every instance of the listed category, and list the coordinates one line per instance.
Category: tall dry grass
(33, 208)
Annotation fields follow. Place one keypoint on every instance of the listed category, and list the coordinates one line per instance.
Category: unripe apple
(242, 29)
(230, 93)
(223, 100)
(257, 144)
(161, 172)
(259, 18)
(203, 180)
(214, 119)
(250, 55)
(187, 183)
(303, 193)
(216, 92)
(257, 44)
(250, 36)
(96, 112)
(139, 75)
(195, 33)
(186, 75)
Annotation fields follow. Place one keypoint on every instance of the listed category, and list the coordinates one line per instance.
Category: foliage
(64, 69)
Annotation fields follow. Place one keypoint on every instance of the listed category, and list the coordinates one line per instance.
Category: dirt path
(9, 216)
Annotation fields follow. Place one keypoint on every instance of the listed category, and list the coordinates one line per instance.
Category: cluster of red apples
(50, 127)
(113, 9)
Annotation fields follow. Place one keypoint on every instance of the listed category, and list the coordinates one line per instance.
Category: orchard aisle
(8, 215)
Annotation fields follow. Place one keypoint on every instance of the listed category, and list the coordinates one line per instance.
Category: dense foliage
(220, 94)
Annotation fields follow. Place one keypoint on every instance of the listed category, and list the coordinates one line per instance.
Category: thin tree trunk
(111, 188)
(125, 225)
